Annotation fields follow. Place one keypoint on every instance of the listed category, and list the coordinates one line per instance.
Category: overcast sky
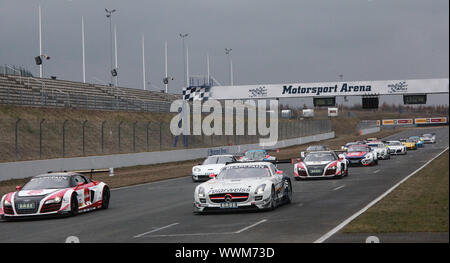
(273, 41)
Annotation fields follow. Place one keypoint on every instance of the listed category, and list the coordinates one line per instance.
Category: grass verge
(418, 205)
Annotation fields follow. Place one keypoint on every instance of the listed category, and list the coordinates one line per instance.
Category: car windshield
(217, 160)
(47, 182)
(427, 135)
(255, 155)
(320, 157)
(376, 145)
(316, 148)
(410, 140)
(414, 137)
(395, 143)
(243, 172)
(358, 149)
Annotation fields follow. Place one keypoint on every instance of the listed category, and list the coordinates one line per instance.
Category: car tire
(193, 180)
(73, 205)
(105, 197)
(272, 200)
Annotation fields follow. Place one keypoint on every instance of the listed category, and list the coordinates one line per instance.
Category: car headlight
(7, 203)
(196, 169)
(260, 189)
(54, 200)
(201, 192)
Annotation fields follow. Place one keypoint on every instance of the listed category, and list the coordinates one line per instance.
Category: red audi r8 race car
(361, 154)
(55, 194)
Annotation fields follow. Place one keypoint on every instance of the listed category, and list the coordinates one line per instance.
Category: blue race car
(418, 140)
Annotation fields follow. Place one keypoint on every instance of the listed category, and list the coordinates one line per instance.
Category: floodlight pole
(207, 68)
(165, 65)
(183, 36)
(109, 15)
(40, 40)
(82, 40)
(228, 53)
(143, 62)
(115, 54)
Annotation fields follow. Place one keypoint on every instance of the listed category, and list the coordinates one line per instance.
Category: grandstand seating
(42, 92)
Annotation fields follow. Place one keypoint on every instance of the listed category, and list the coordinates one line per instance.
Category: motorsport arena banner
(329, 89)
(397, 122)
(430, 120)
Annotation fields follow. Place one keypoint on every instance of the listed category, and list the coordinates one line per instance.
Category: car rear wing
(267, 161)
(91, 171)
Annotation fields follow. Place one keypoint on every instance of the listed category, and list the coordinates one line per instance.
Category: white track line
(348, 220)
(250, 226)
(376, 171)
(154, 230)
(337, 188)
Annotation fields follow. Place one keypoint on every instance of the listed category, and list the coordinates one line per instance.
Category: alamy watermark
(261, 118)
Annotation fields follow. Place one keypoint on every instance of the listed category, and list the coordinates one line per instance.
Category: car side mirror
(279, 172)
(212, 176)
(18, 188)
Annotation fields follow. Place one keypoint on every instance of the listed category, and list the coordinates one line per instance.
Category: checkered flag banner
(196, 93)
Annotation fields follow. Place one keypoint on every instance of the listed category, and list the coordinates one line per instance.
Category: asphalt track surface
(162, 211)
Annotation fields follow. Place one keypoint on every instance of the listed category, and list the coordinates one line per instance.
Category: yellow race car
(410, 144)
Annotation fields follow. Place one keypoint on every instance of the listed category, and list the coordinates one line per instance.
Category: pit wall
(369, 130)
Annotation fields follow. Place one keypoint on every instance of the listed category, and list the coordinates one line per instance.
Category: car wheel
(105, 197)
(272, 200)
(74, 205)
(288, 196)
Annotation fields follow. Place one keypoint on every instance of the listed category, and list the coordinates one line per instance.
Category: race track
(162, 211)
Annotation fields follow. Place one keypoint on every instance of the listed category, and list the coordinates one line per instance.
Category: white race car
(211, 165)
(257, 185)
(320, 164)
(396, 147)
(428, 138)
(55, 194)
(380, 149)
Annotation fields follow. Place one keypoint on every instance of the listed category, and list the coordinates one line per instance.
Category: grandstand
(43, 92)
